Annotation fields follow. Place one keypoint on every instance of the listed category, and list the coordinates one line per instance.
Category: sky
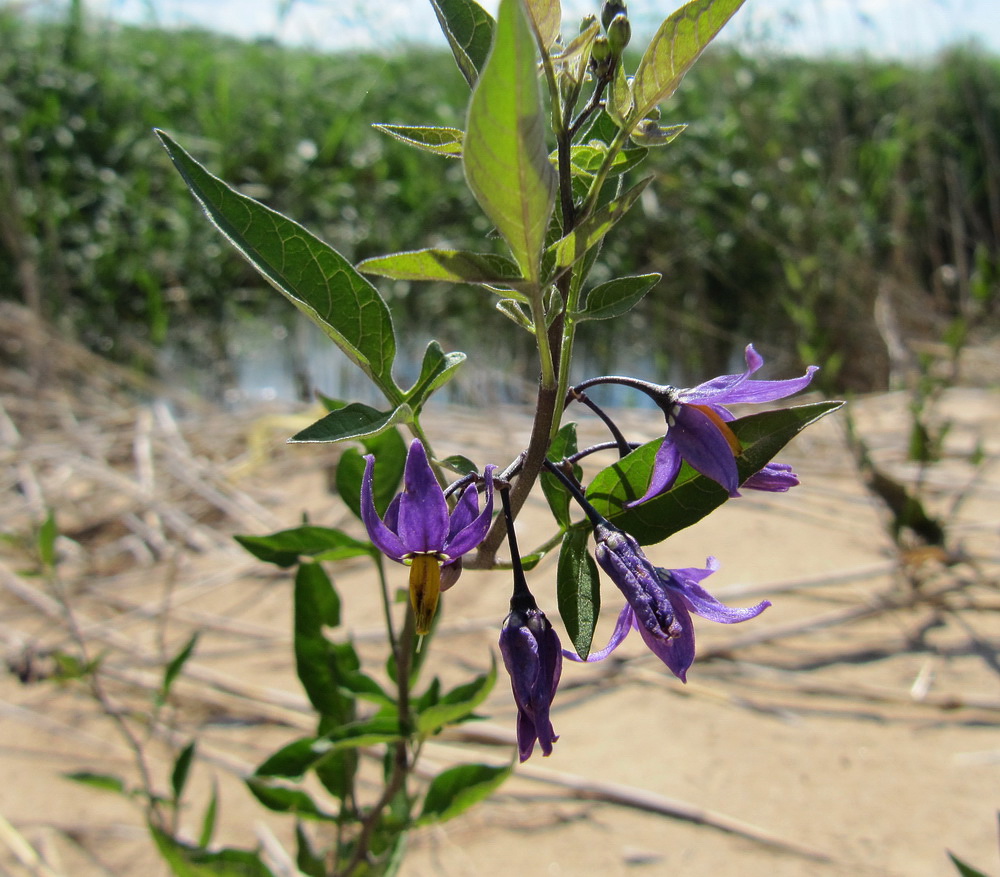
(883, 28)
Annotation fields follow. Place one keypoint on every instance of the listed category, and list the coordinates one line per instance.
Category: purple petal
(665, 468)
(676, 652)
(469, 536)
(774, 478)
(706, 449)
(384, 539)
(465, 511)
(626, 621)
(423, 510)
(731, 389)
(683, 584)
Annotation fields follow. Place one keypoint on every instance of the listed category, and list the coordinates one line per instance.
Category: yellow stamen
(727, 433)
(425, 587)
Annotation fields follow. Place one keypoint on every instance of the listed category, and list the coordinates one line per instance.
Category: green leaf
(469, 30)
(619, 101)
(558, 497)
(47, 534)
(209, 819)
(317, 607)
(505, 158)
(965, 870)
(693, 495)
(389, 449)
(616, 297)
(311, 274)
(451, 266)
(436, 370)
(353, 421)
(674, 49)
(305, 859)
(282, 799)
(455, 790)
(546, 18)
(589, 233)
(182, 767)
(458, 703)
(440, 141)
(173, 669)
(461, 465)
(106, 782)
(185, 860)
(588, 158)
(286, 547)
(578, 588)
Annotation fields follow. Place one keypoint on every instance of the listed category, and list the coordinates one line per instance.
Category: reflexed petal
(465, 511)
(665, 468)
(683, 584)
(774, 478)
(471, 535)
(423, 510)
(717, 388)
(626, 621)
(384, 539)
(732, 389)
(706, 449)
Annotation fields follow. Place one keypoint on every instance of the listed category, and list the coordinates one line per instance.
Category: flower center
(425, 586)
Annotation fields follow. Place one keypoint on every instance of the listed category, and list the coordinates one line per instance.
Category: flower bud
(587, 22)
(619, 33)
(610, 9)
(602, 59)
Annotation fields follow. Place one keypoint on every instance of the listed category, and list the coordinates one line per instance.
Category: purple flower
(660, 601)
(420, 532)
(533, 658)
(774, 478)
(698, 431)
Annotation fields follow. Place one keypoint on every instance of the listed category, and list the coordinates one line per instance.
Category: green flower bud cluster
(608, 48)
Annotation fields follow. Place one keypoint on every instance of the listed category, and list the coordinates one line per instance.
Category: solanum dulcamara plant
(557, 126)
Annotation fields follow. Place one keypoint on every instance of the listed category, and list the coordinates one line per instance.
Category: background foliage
(803, 190)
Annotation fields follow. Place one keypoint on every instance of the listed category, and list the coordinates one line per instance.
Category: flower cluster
(420, 530)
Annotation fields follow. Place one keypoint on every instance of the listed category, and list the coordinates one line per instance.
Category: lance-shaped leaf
(438, 140)
(457, 704)
(505, 158)
(574, 246)
(676, 46)
(693, 495)
(455, 790)
(185, 860)
(436, 370)
(578, 589)
(310, 273)
(616, 297)
(469, 30)
(546, 16)
(451, 266)
(563, 445)
(353, 421)
(286, 547)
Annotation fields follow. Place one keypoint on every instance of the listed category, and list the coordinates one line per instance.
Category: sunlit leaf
(106, 782)
(578, 588)
(675, 47)
(558, 497)
(458, 703)
(455, 790)
(438, 140)
(452, 266)
(173, 669)
(469, 30)
(185, 860)
(693, 495)
(546, 16)
(353, 421)
(616, 297)
(436, 369)
(286, 547)
(505, 157)
(310, 273)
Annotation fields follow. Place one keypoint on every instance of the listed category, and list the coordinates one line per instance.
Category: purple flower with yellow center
(533, 658)
(659, 601)
(697, 425)
(421, 532)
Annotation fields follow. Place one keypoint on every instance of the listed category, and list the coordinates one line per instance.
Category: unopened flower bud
(602, 59)
(619, 33)
(610, 9)
(587, 22)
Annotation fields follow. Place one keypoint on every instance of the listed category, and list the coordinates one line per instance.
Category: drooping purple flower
(698, 431)
(533, 658)
(659, 601)
(419, 531)
(774, 478)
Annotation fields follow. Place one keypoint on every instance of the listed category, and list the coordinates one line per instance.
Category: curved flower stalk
(419, 531)
(697, 428)
(533, 658)
(660, 601)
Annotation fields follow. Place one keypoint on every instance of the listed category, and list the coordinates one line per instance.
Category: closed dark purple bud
(533, 658)
(610, 9)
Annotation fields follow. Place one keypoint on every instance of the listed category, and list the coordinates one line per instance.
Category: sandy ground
(853, 729)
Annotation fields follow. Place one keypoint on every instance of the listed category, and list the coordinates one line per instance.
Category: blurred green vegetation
(803, 190)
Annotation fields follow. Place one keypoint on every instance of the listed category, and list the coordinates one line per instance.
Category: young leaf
(469, 30)
(963, 869)
(458, 463)
(440, 141)
(311, 274)
(305, 859)
(185, 860)
(456, 789)
(616, 297)
(47, 534)
(106, 782)
(436, 370)
(174, 668)
(578, 589)
(546, 18)
(353, 421)
(674, 48)
(451, 266)
(282, 799)
(209, 819)
(505, 158)
(286, 547)
(458, 703)
(182, 767)
(693, 495)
